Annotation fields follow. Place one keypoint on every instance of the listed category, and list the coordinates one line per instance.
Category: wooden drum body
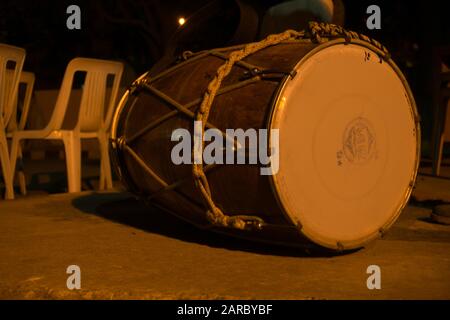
(349, 140)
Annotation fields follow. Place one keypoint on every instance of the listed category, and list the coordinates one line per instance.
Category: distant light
(181, 21)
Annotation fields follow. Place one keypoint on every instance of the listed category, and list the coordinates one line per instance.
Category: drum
(347, 139)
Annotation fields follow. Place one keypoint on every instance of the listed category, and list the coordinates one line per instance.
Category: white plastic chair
(27, 79)
(93, 121)
(9, 84)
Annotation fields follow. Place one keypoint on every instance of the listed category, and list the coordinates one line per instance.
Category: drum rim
(114, 148)
(120, 107)
(310, 234)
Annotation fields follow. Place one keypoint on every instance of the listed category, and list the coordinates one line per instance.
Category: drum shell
(241, 190)
(236, 189)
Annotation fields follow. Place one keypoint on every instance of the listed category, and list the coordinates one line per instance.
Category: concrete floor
(126, 250)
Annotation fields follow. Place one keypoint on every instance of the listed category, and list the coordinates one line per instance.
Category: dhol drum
(347, 131)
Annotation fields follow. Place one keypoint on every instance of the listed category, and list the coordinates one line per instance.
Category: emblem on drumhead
(359, 141)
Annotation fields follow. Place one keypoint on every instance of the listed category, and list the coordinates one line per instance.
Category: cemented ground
(128, 251)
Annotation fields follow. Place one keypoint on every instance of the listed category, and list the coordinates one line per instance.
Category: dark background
(138, 32)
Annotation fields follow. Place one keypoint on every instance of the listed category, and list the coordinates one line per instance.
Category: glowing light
(181, 21)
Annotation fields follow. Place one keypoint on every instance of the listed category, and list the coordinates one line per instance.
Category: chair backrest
(92, 115)
(27, 79)
(11, 64)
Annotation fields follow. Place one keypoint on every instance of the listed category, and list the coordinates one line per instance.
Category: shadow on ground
(125, 209)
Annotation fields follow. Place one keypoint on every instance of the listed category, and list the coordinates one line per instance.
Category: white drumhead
(348, 145)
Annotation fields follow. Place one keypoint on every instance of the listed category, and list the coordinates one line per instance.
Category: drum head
(348, 145)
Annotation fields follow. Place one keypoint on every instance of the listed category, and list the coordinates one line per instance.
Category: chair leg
(438, 138)
(73, 160)
(437, 160)
(101, 181)
(15, 145)
(21, 174)
(16, 154)
(6, 166)
(105, 164)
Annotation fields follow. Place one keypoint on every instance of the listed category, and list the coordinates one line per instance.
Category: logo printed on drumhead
(359, 141)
